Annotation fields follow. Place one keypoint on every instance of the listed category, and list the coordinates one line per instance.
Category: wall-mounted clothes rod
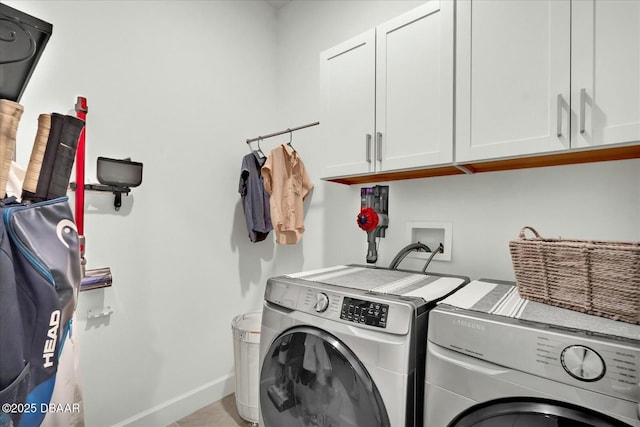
(258, 138)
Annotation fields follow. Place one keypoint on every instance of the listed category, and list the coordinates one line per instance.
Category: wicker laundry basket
(595, 277)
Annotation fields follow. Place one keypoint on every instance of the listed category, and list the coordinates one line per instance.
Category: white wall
(178, 86)
(598, 201)
(305, 28)
(182, 264)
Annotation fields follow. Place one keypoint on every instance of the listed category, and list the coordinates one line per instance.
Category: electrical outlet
(431, 234)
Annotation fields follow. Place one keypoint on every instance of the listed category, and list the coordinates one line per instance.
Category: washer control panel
(365, 312)
(604, 364)
(582, 363)
(383, 313)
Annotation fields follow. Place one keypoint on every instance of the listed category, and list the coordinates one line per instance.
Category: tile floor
(222, 413)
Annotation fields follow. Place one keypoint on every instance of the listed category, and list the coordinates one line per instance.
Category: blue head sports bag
(40, 274)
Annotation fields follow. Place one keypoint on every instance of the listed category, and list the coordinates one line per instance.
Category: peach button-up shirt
(287, 182)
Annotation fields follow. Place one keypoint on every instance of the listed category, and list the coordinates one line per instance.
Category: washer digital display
(364, 312)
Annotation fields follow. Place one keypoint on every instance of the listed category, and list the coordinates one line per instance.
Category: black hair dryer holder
(116, 190)
(116, 176)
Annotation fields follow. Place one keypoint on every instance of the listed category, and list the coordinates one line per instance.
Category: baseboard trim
(182, 405)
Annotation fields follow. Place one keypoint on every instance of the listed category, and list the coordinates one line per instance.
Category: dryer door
(310, 378)
(532, 412)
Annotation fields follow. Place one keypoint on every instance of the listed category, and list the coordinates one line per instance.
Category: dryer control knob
(322, 302)
(582, 363)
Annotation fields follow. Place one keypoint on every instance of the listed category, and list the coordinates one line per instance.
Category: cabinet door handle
(368, 147)
(559, 115)
(379, 146)
(583, 101)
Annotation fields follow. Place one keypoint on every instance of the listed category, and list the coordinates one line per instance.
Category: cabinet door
(347, 75)
(512, 71)
(605, 72)
(414, 90)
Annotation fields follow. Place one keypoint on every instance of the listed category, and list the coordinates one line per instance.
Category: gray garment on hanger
(255, 200)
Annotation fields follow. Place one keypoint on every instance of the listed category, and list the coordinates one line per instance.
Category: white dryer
(344, 346)
(495, 359)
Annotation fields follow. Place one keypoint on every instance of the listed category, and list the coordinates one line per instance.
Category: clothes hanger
(290, 139)
(259, 150)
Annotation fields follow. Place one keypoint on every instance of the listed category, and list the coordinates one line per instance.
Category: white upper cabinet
(512, 77)
(347, 90)
(535, 76)
(387, 95)
(414, 88)
(605, 93)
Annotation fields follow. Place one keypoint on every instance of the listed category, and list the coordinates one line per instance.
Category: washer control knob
(322, 302)
(582, 363)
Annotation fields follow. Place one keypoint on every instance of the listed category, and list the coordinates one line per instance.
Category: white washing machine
(494, 359)
(344, 346)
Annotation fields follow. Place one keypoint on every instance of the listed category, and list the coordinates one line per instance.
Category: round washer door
(310, 378)
(532, 412)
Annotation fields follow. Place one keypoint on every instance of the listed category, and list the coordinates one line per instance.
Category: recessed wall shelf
(431, 234)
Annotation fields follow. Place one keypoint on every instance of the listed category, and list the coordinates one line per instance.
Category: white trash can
(246, 352)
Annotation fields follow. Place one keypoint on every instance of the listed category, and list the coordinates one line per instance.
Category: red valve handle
(367, 219)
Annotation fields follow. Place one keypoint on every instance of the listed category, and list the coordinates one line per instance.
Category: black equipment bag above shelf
(22, 41)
